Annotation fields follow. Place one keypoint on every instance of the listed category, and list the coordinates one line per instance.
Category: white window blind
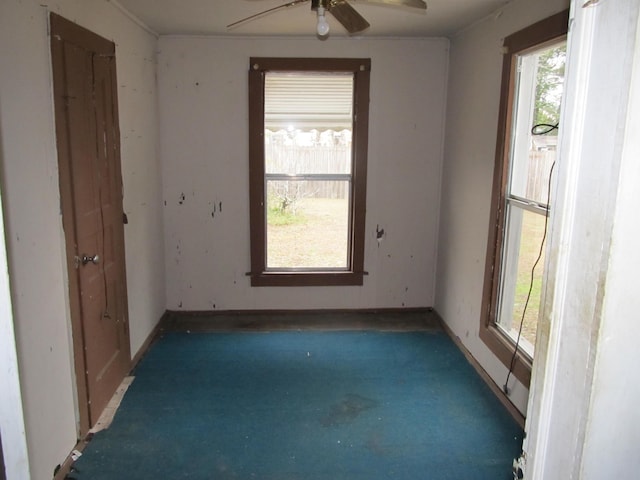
(306, 101)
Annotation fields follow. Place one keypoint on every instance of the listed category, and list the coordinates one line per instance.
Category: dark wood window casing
(353, 275)
(546, 31)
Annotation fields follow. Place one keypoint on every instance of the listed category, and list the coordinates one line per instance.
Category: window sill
(503, 347)
(306, 279)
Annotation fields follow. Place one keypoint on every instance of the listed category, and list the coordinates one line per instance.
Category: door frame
(86, 39)
(586, 195)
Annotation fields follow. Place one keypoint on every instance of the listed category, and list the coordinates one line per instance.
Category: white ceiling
(211, 17)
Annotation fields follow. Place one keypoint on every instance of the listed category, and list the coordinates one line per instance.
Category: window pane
(531, 92)
(307, 224)
(537, 102)
(298, 152)
(308, 128)
(536, 109)
(522, 247)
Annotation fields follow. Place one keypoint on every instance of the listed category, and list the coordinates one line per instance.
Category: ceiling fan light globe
(323, 26)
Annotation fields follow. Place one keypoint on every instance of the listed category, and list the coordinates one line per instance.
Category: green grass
(532, 231)
(278, 217)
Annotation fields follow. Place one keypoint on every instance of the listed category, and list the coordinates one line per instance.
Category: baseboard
(300, 311)
(328, 319)
(504, 399)
(64, 468)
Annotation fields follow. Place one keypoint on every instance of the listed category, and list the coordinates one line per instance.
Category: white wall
(35, 239)
(204, 120)
(471, 129)
(15, 460)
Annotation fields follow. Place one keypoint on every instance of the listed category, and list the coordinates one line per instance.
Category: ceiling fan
(343, 12)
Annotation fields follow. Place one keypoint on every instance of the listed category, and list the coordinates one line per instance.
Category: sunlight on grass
(315, 236)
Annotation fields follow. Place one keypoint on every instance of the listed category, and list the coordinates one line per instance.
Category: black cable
(533, 269)
(544, 128)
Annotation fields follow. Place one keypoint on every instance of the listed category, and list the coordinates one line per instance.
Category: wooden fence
(296, 159)
(540, 162)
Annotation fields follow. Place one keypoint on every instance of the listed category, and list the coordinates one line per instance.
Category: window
(308, 122)
(532, 87)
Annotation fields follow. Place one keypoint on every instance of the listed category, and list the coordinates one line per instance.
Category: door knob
(86, 259)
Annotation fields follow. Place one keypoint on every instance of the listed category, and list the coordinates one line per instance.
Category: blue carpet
(305, 406)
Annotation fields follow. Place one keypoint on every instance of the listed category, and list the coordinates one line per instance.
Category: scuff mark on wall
(216, 208)
(181, 199)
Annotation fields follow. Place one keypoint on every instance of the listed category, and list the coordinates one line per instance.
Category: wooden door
(88, 137)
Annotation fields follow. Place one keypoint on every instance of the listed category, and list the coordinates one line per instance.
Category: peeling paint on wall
(379, 234)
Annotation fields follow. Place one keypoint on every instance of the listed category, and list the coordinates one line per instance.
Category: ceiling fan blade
(347, 16)
(401, 3)
(265, 12)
